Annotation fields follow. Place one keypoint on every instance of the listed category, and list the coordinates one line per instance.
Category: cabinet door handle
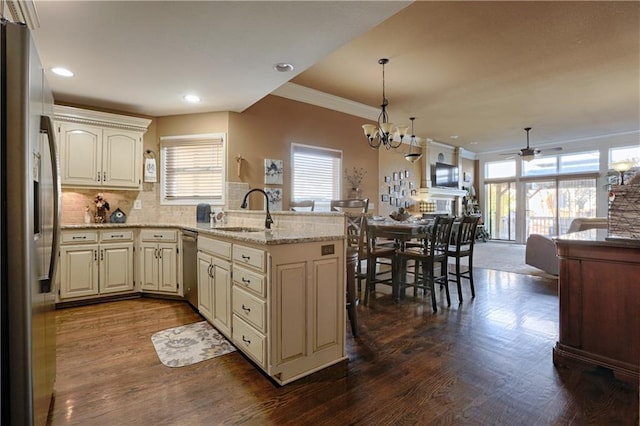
(159, 254)
(104, 176)
(98, 177)
(95, 255)
(246, 258)
(102, 255)
(247, 341)
(157, 236)
(210, 271)
(246, 281)
(82, 237)
(246, 308)
(155, 253)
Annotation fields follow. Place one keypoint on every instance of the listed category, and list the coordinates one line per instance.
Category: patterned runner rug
(189, 344)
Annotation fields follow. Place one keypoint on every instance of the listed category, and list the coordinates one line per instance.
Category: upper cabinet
(99, 150)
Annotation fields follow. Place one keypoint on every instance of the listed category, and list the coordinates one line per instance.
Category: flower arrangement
(355, 179)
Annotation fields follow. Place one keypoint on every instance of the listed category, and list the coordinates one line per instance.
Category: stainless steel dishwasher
(190, 266)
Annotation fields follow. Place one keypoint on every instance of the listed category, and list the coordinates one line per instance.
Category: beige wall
(391, 161)
(267, 129)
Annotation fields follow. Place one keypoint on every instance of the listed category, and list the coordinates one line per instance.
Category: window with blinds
(192, 169)
(316, 173)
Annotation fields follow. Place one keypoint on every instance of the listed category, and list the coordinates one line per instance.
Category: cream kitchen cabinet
(214, 282)
(288, 306)
(94, 263)
(159, 261)
(99, 150)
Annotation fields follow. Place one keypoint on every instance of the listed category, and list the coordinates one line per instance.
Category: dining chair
(302, 206)
(462, 246)
(377, 248)
(433, 251)
(355, 211)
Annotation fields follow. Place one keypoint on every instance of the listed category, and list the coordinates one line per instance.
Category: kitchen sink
(238, 229)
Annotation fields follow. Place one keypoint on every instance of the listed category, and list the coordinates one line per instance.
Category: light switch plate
(137, 204)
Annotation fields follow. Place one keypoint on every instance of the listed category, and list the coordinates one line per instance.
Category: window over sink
(316, 174)
(192, 169)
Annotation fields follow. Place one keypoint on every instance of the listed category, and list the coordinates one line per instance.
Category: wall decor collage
(399, 189)
(273, 172)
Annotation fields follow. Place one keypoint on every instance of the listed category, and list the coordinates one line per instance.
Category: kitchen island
(278, 295)
(599, 291)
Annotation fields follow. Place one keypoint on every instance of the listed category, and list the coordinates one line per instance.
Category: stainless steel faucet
(268, 221)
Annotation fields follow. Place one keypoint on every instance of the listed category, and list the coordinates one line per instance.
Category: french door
(502, 210)
(551, 205)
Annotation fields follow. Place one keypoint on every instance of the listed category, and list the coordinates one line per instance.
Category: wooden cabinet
(250, 327)
(308, 308)
(94, 263)
(99, 150)
(599, 295)
(158, 260)
(214, 282)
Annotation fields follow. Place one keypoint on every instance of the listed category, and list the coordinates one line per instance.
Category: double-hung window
(193, 169)
(316, 174)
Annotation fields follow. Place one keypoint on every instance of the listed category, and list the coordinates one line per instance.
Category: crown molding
(24, 11)
(98, 118)
(300, 93)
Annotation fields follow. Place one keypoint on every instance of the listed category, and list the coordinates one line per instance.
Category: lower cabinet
(94, 263)
(158, 260)
(214, 282)
(283, 305)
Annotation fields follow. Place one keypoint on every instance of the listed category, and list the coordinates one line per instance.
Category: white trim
(99, 118)
(300, 93)
(24, 11)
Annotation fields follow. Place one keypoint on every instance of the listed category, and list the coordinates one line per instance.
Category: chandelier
(413, 155)
(384, 133)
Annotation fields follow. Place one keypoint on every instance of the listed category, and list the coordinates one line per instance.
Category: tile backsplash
(76, 200)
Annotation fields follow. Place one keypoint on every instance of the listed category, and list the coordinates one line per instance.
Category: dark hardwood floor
(487, 361)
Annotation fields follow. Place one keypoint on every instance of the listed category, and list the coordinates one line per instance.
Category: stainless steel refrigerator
(29, 232)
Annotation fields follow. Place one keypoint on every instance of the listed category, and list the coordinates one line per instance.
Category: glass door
(502, 210)
(541, 207)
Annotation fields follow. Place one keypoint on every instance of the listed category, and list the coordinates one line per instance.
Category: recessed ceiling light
(283, 67)
(473, 143)
(62, 72)
(454, 136)
(192, 99)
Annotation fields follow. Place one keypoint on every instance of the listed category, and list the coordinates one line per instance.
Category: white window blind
(316, 173)
(192, 169)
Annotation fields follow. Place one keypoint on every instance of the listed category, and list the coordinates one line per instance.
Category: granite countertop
(262, 237)
(597, 237)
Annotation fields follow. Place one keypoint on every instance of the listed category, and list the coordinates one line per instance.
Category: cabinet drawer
(167, 235)
(123, 235)
(76, 237)
(249, 280)
(248, 340)
(215, 247)
(249, 307)
(249, 256)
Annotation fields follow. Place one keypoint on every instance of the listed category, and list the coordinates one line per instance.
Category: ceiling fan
(528, 153)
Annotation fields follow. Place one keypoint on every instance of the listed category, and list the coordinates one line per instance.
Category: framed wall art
(275, 198)
(273, 171)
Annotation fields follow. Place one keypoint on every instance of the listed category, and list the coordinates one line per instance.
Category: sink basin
(238, 229)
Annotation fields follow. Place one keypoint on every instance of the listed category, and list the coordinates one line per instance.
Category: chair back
(350, 206)
(438, 239)
(303, 205)
(466, 234)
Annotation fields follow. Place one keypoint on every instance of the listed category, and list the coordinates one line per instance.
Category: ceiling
(481, 71)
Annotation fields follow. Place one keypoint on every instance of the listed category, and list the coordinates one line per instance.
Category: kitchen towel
(150, 174)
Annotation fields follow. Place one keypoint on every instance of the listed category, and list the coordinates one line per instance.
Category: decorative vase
(355, 193)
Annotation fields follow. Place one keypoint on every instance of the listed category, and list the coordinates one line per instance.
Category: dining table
(400, 232)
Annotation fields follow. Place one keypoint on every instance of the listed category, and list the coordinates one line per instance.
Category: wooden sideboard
(599, 291)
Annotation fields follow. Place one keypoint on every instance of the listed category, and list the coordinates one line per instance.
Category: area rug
(503, 256)
(189, 344)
